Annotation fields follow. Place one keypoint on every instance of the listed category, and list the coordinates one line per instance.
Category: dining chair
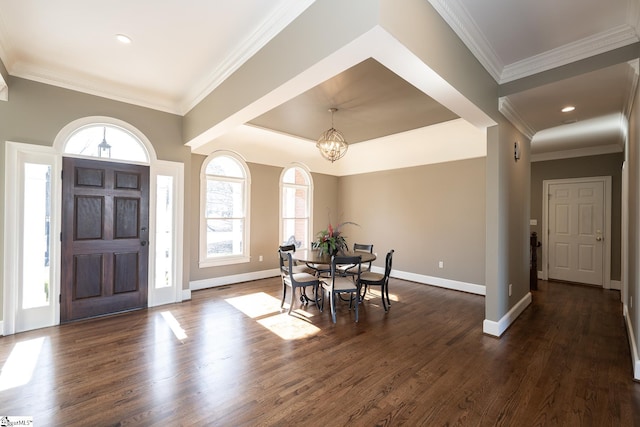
(340, 283)
(296, 267)
(358, 247)
(295, 280)
(369, 278)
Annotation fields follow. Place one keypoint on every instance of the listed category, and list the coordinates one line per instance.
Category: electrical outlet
(510, 289)
(260, 258)
(441, 264)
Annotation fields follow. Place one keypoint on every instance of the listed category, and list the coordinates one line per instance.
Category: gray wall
(603, 165)
(426, 214)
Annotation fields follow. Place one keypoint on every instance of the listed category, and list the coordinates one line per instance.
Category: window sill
(224, 261)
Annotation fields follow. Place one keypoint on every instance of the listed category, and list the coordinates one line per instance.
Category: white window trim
(305, 169)
(204, 261)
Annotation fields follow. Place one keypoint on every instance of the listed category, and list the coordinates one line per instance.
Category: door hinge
(61, 174)
(59, 298)
(61, 236)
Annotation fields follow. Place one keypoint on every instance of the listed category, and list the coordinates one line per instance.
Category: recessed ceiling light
(568, 109)
(123, 39)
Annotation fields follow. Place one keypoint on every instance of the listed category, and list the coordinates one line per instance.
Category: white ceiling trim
(444, 142)
(68, 79)
(73, 81)
(633, 14)
(460, 21)
(6, 46)
(578, 152)
(511, 113)
(377, 43)
(563, 55)
(634, 68)
(249, 47)
(4, 90)
(458, 18)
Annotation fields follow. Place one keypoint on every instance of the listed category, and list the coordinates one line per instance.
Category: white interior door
(576, 212)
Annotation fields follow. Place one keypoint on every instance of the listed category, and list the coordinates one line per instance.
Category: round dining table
(313, 256)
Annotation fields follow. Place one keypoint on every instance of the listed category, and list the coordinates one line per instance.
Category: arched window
(106, 141)
(296, 193)
(224, 200)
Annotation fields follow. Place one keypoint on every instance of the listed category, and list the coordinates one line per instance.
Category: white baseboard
(632, 343)
(1, 327)
(497, 328)
(186, 294)
(197, 285)
(615, 285)
(436, 281)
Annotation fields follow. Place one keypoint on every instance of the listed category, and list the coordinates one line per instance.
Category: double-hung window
(295, 207)
(224, 228)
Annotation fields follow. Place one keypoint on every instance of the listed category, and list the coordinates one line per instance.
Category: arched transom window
(224, 227)
(295, 207)
(106, 141)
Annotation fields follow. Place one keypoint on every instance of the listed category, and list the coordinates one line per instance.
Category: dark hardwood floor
(233, 359)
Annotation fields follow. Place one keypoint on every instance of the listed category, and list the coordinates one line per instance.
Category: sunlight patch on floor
(174, 325)
(267, 310)
(255, 305)
(19, 367)
(289, 327)
(376, 294)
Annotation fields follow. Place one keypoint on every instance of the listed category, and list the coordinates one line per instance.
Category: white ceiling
(181, 51)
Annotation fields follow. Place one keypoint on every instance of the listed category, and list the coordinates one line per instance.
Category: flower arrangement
(331, 240)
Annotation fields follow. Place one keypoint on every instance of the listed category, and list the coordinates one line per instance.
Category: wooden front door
(105, 228)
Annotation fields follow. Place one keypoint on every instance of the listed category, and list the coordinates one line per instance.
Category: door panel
(576, 228)
(105, 218)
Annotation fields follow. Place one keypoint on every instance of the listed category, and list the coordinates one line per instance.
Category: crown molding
(507, 109)
(270, 27)
(620, 36)
(456, 16)
(255, 41)
(6, 46)
(633, 14)
(634, 66)
(578, 152)
(4, 89)
(96, 87)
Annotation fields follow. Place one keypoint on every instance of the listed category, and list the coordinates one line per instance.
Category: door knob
(599, 238)
(143, 243)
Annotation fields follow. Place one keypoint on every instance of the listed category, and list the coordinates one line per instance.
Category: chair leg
(333, 307)
(357, 303)
(386, 290)
(384, 303)
(284, 294)
(293, 298)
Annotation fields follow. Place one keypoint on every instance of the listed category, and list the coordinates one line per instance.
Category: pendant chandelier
(331, 143)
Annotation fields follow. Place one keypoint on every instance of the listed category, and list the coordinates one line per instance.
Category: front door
(576, 231)
(105, 224)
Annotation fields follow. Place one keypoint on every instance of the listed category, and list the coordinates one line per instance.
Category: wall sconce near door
(516, 151)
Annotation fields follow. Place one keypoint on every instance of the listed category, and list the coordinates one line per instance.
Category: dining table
(321, 263)
(313, 257)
